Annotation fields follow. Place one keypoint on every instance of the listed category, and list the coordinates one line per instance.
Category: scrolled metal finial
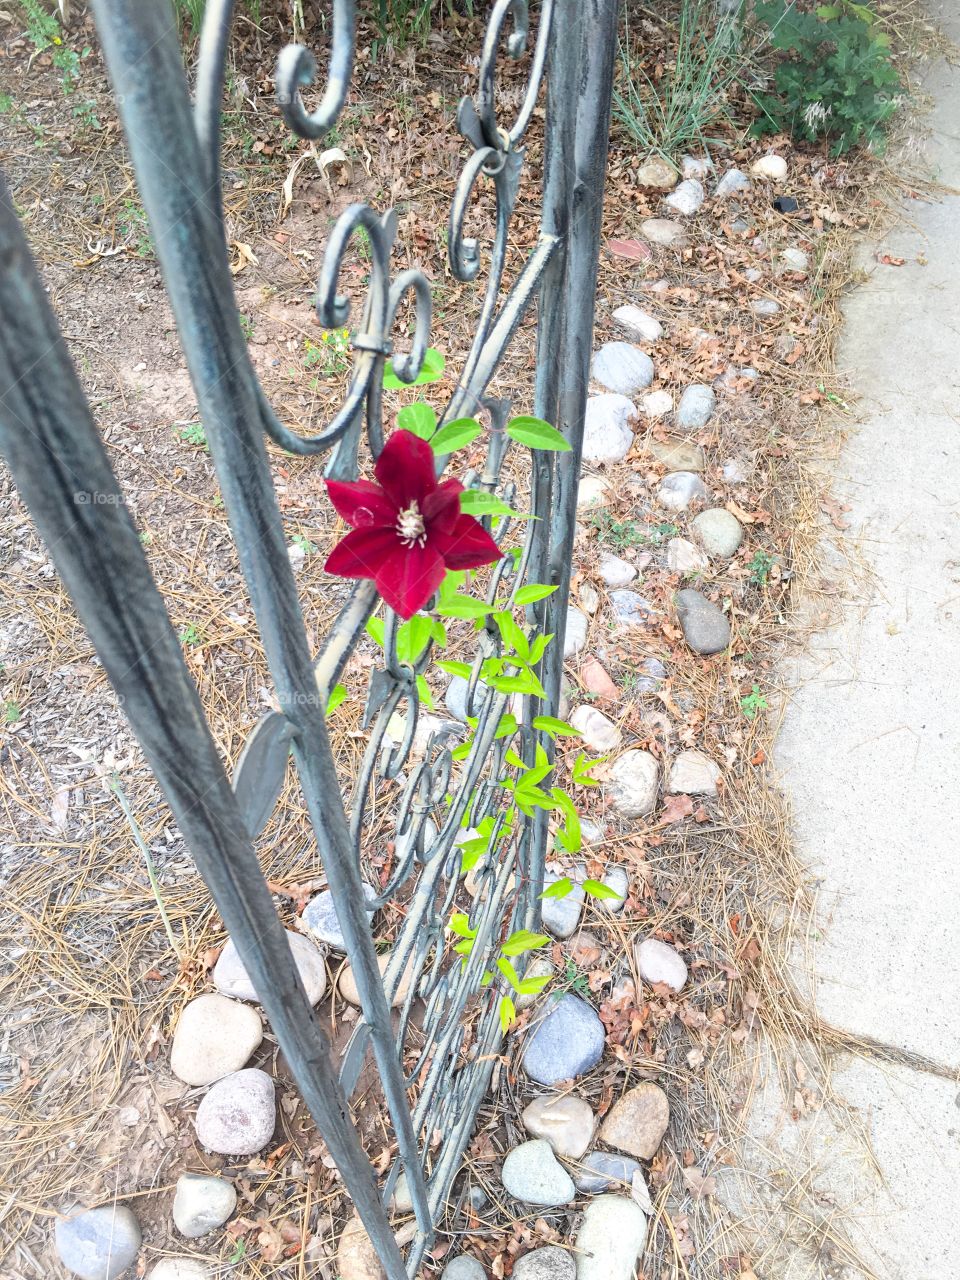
(493, 134)
(297, 68)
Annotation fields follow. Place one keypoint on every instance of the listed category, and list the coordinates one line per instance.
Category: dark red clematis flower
(408, 529)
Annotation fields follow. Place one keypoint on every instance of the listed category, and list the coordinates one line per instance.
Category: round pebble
(593, 491)
(237, 1117)
(98, 1244)
(347, 983)
(357, 1258)
(539, 967)
(664, 232)
(658, 962)
(214, 1037)
(532, 1173)
(718, 531)
(655, 174)
(732, 183)
(575, 634)
(201, 1204)
(637, 1122)
(638, 323)
(549, 1263)
(657, 403)
(560, 916)
(607, 434)
(772, 167)
(463, 1268)
(601, 1170)
(610, 1239)
(566, 1043)
(694, 774)
(599, 733)
(616, 572)
(230, 975)
(567, 1123)
(634, 780)
(179, 1269)
(696, 406)
(705, 625)
(622, 368)
(676, 454)
(680, 489)
(765, 307)
(320, 918)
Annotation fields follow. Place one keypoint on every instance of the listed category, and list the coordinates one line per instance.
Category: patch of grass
(193, 433)
(11, 711)
(331, 355)
(133, 227)
(190, 634)
(760, 566)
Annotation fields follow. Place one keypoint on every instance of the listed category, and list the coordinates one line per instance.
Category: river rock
(601, 1170)
(539, 967)
(693, 774)
(615, 878)
(320, 916)
(681, 488)
(455, 697)
(664, 232)
(463, 1268)
(676, 454)
(356, 1255)
(567, 1043)
(637, 1122)
(238, 1115)
(622, 368)
(705, 626)
(607, 436)
(179, 1269)
(696, 167)
(696, 406)
(684, 557)
(599, 733)
(99, 1244)
(549, 1263)
(732, 183)
(658, 962)
(653, 673)
(656, 174)
(657, 404)
(687, 198)
(765, 307)
(589, 597)
(616, 572)
(201, 1204)
(634, 780)
(575, 635)
(734, 471)
(347, 983)
(631, 609)
(593, 491)
(717, 531)
(567, 1123)
(214, 1037)
(532, 1173)
(230, 975)
(793, 260)
(561, 916)
(638, 323)
(772, 167)
(610, 1239)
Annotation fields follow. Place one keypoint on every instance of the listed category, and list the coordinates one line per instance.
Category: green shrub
(838, 83)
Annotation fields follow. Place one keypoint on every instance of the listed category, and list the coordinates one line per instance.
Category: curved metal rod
(211, 63)
(297, 68)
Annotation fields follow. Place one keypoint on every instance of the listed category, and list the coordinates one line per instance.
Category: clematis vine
(407, 527)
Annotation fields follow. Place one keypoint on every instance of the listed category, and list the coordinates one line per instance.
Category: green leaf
(537, 434)
(426, 696)
(507, 725)
(375, 630)
(463, 607)
(460, 925)
(523, 940)
(461, 751)
(535, 591)
(533, 986)
(508, 1013)
(559, 888)
(337, 695)
(597, 889)
(569, 836)
(431, 371)
(580, 770)
(456, 435)
(455, 668)
(413, 636)
(538, 648)
(418, 418)
(477, 502)
(513, 636)
(554, 727)
(463, 948)
(509, 972)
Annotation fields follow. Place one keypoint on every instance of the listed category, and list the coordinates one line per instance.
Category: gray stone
(549, 1263)
(664, 232)
(575, 635)
(456, 697)
(320, 918)
(599, 733)
(681, 488)
(734, 471)
(607, 436)
(347, 984)
(634, 780)
(179, 1269)
(601, 1170)
(610, 1239)
(696, 167)
(718, 531)
(738, 379)
(539, 967)
(638, 323)
(656, 174)
(637, 1122)
(687, 198)
(566, 1044)
(616, 572)
(657, 404)
(675, 453)
(589, 597)
(567, 1123)
(201, 1204)
(238, 1115)
(622, 368)
(532, 1173)
(693, 773)
(732, 183)
(463, 1268)
(658, 962)
(561, 916)
(616, 879)
(631, 609)
(696, 406)
(752, 274)
(765, 307)
(230, 975)
(98, 1244)
(357, 1258)
(772, 167)
(214, 1037)
(793, 260)
(653, 672)
(684, 557)
(705, 626)
(591, 831)
(593, 491)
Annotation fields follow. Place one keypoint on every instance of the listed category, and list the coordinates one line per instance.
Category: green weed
(753, 702)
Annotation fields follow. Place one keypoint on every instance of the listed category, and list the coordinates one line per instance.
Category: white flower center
(410, 526)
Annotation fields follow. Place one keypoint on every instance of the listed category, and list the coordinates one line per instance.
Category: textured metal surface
(433, 1082)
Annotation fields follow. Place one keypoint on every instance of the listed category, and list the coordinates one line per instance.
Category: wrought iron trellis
(61, 468)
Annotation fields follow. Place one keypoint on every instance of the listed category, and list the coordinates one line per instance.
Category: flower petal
(441, 508)
(362, 503)
(467, 545)
(409, 576)
(407, 469)
(362, 553)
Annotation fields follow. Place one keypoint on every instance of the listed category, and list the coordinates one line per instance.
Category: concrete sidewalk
(870, 747)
